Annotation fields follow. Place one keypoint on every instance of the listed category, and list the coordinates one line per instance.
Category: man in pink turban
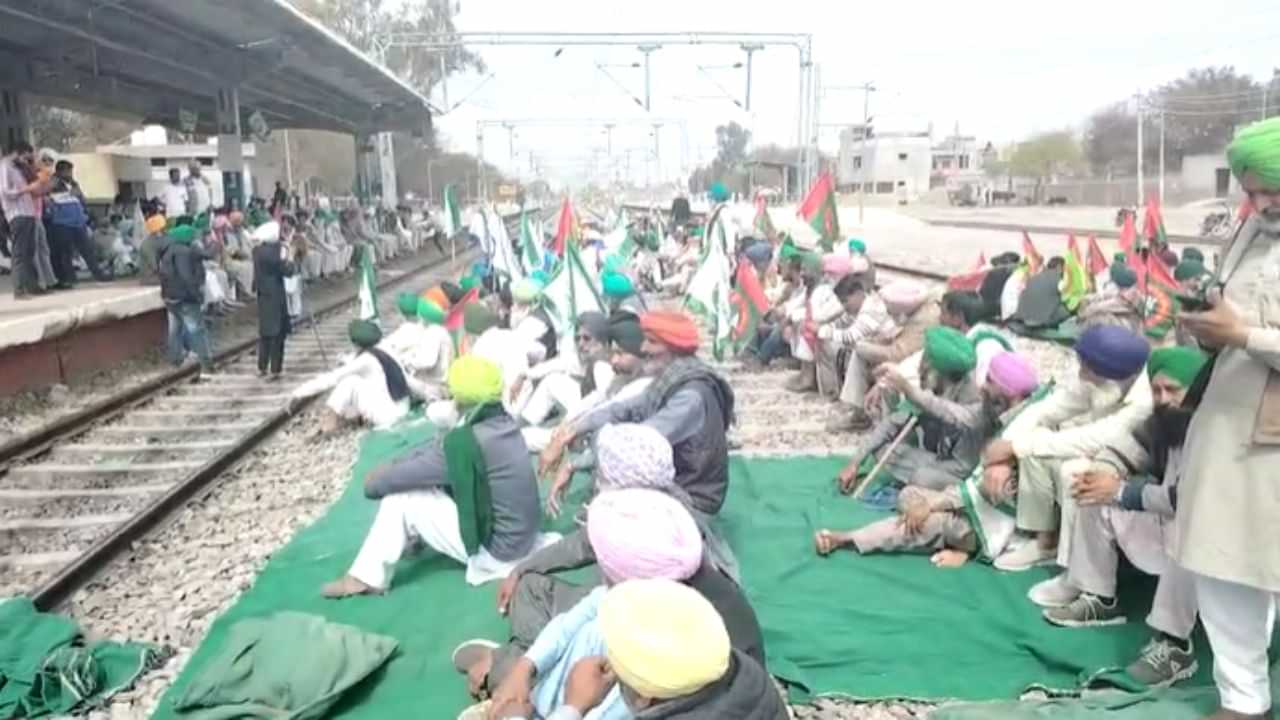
(943, 521)
(635, 533)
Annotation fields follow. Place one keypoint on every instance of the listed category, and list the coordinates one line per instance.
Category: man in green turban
(1227, 531)
(470, 495)
(422, 346)
(1127, 497)
(952, 428)
(182, 288)
(371, 388)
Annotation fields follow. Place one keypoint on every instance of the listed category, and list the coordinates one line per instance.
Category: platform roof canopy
(149, 58)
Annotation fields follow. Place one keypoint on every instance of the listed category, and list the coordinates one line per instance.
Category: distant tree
(1045, 155)
(731, 143)
(363, 22)
(1204, 108)
(53, 127)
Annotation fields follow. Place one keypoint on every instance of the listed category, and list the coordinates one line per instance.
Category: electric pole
(1162, 157)
(1138, 100)
(657, 152)
(511, 141)
(750, 49)
(647, 50)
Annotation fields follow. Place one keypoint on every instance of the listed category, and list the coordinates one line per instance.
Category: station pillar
(15, 124)
(231, 148)
(366, 153)
(386, 174)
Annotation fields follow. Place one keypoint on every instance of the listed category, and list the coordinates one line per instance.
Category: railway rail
(78, 492)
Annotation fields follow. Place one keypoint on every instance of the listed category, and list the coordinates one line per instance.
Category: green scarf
(469, 478)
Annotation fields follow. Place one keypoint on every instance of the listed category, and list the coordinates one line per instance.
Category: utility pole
(657, 152)
(608, 137)
(750, 49)
(288, 162)
(511, 141)
(1162, 157)
(1138, 202)
(647, 50)
(482, 189)
(867, 89)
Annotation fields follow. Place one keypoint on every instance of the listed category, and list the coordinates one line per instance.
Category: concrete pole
(750, 50)
(647, 50)
(288, 161)
(1162, 158)
(15, 123)
(230, 152)
(800, 116)
(1141, 179)
(481, 180)
(657, 152)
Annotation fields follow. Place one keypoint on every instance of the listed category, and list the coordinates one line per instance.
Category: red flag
(819, 210)
(968, 281)
(982, 261)
(751, 304)
(1097, 260)
(1073, 248)
(566, 228)
(1031, 257)
(1158, 271)
(1128, 235)
(453, 320)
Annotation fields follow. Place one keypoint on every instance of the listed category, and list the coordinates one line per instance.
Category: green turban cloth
(526, 291)
(613, 264)
(474, 380)
(1256, 149)
(617, 285)
(787, 251)
(1192, 254)
(469, 282)
(541, 277)
(430, 311)
(1179, 363)
(363, 333)
(810, 261)
(719, 193)
(698, 231)
(1123, 276)
(1187, 270)
(477, 317)
(408, 304)
(857, 247)
(1120, 258)
(948, 351)
(183, 234)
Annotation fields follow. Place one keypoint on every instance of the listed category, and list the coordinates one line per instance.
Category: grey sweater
(513, 485)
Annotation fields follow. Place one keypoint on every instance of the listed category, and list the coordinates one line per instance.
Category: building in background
(140, 169)
(886, 163)
(1206, 175)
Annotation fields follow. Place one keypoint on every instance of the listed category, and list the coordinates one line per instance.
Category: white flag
(708, 293)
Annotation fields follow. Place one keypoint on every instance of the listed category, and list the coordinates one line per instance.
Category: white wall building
(886, 164)
(1207, 175)
(142, 168)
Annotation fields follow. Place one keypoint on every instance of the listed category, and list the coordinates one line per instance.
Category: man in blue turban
(1048, 439)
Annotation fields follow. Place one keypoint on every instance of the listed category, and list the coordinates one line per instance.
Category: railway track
(78, 492)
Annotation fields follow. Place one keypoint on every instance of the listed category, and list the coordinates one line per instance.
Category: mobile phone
(1193, 303)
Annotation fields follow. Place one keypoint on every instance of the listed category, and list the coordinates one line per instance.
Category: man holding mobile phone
(1229, 510)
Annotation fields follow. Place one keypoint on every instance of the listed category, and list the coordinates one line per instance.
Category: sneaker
(1026, 556)
(1055, 592)
(1162, 663)
(1087, 611)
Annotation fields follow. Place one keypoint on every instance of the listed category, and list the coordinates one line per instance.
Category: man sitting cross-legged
(627, 456)
(1048, 441)
(937, 520)
(635, 533)
(952, 426)
(667, 652)
(471, 496)
(1135, 517)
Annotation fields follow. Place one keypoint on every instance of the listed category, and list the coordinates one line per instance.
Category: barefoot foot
(949, 558)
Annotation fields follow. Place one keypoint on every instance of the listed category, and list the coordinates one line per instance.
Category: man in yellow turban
(470, 495)
(669, 651)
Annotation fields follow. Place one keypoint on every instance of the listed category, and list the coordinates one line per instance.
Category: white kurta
(358, 391)
(1229, 510)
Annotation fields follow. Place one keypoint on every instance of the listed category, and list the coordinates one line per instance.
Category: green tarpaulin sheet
(46, 667)
(1065, 333)
(869, 627)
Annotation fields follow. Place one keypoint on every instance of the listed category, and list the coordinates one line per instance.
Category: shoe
(1162, 663)
(1225, 714)
(1025, 557)
(850, 421)
(1055, 592)
(478, 711)
(471, 652)
(1087, 611)
(347, 586)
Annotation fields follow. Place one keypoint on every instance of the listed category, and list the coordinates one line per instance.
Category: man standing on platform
(1228, 534)
(272, 263)
(17, 197)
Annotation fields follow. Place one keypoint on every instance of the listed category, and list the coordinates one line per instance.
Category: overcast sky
(998, 69)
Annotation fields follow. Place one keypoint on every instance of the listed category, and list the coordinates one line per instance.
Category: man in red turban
(674, 330)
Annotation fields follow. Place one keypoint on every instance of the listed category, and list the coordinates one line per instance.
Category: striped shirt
(14, 202)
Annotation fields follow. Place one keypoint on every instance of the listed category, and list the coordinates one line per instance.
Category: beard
(994, 406)
(1171, 423)
(1269, 222)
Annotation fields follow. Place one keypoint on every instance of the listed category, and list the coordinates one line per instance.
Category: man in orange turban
(687, 402)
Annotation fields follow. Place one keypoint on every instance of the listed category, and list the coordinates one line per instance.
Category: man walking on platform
(17, 196)
(181, 268)
(272, 263)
